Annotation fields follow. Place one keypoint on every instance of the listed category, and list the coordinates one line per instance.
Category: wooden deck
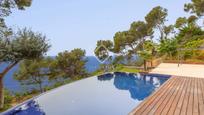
(177, 96)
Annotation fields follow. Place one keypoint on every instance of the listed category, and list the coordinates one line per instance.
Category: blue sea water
(13, 85)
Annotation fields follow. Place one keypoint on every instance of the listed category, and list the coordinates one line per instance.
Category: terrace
(189, 70)
(182, 94)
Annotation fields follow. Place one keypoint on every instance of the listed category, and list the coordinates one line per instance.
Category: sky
(70, 24)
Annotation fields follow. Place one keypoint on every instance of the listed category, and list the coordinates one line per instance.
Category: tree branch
(8, 68)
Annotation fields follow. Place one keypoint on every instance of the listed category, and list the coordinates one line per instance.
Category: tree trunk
(41, 88)
(145, 65)
(151, 63)
(1, 92)
(161, 34)
(2, 74)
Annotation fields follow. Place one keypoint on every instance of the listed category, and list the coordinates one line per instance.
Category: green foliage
(119, 68)
(69, 64)
(33, 72)
(192, 19)
(189, 33)
(146, 55)
(132, 40)
(66, 65)
(23, 3)
(189, 36)
(196, 6)
(149, 49)
(5, 9)
(7, 5)
(156, 19)
(157, 16)
(149, 45)
(120, 41)
(26, 44)
(168, 47)
(127, 69)
(192, 48)
(106, 43)
(140, 29)
(136, 39)
(8, 96)
(167, 30)
(183, 22)
(180, 22)
(194, 44)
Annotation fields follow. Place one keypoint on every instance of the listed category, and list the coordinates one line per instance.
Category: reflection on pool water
(108, 94)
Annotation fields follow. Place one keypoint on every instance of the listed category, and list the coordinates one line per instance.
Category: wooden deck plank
(158, 101)
(195, 98)
(177, 96)
(186, 98)
(202, 88)
(200, 97)
(159, 97)
(142, 107)
(190, 101)
(171, 99)
(165, 101)
(181, 100)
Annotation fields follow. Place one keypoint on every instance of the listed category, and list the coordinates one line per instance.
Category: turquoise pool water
(109, 94)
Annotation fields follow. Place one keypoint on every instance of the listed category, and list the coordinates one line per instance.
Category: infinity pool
(108, 94)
